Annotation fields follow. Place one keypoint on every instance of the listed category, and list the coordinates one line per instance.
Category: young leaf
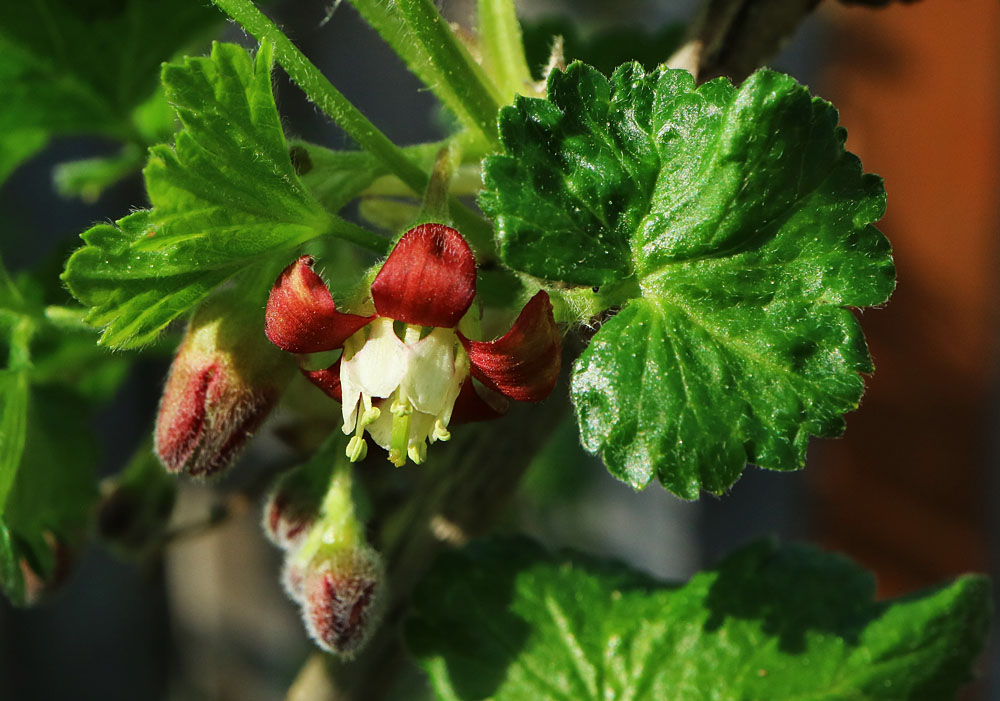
(225, 197)
(506, 620)
(54, 66)
(746, 228)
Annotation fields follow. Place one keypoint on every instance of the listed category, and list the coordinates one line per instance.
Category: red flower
(403, 388)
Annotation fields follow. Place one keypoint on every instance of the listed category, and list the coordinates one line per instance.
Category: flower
(407, 369)
(223, 382)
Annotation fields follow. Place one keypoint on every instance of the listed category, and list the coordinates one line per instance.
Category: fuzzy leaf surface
(746, 229)
(507, 620)
(225, 197)
(68, 66)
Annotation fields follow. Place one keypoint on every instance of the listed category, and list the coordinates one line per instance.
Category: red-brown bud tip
(288, 516)
(342, 599)
(223, 383)
(37, 587)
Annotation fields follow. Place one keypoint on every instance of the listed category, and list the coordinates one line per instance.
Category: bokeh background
(910, 491)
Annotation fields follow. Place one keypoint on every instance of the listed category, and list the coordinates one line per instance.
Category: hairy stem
(503, 48)
(348, 231)
(315, 85)
(462, 74)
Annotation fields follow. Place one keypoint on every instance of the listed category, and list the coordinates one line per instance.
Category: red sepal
(429, 278)
(524, 363)
(301, 316)
(472, 406)
(327, 380)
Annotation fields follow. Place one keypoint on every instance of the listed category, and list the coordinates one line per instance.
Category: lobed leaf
(225, 197)
(504, 619)
(54, 67)
(743, 228)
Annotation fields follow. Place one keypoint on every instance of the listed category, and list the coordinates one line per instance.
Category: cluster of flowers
(407, 371)
(330, 570)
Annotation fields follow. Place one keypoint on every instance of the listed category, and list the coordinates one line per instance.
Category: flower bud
(296, 500)
(38, 586)
(293, 579)
(136, 504)
(223, 383)
(288, 516)
(342, 597)
(330, 570)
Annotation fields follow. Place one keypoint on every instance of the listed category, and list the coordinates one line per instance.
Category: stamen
(402, 412)
(441, 432)
(417, 452)
(357, 449)
(369, 417)
(412, 334)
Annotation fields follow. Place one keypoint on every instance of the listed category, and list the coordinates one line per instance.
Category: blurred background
(909, 491)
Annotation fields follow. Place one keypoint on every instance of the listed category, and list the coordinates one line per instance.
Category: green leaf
(506, 620)
(89, 177)
(17, 145)
(83, 67)
(225, 198)
(54, 491)
(13, 426)
(734, 228)
(53, 374)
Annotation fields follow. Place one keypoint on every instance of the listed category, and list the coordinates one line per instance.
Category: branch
(735, 37)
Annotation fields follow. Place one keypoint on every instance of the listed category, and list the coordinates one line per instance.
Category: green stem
(315, 85)
(502, 46)
(463, 75)
(435, 204)
(385, 18)
(348, 231)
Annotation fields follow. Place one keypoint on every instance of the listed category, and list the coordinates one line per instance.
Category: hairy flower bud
(136, 504)
(223, 383)
(288, 515)
(296, 499)
(293, 579)
(330, 570)
(342, 596)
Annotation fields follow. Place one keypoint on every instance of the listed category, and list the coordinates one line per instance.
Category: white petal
(421, 427)
(350, 396)
(381, 429)
(380, 365)
(432, 371)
